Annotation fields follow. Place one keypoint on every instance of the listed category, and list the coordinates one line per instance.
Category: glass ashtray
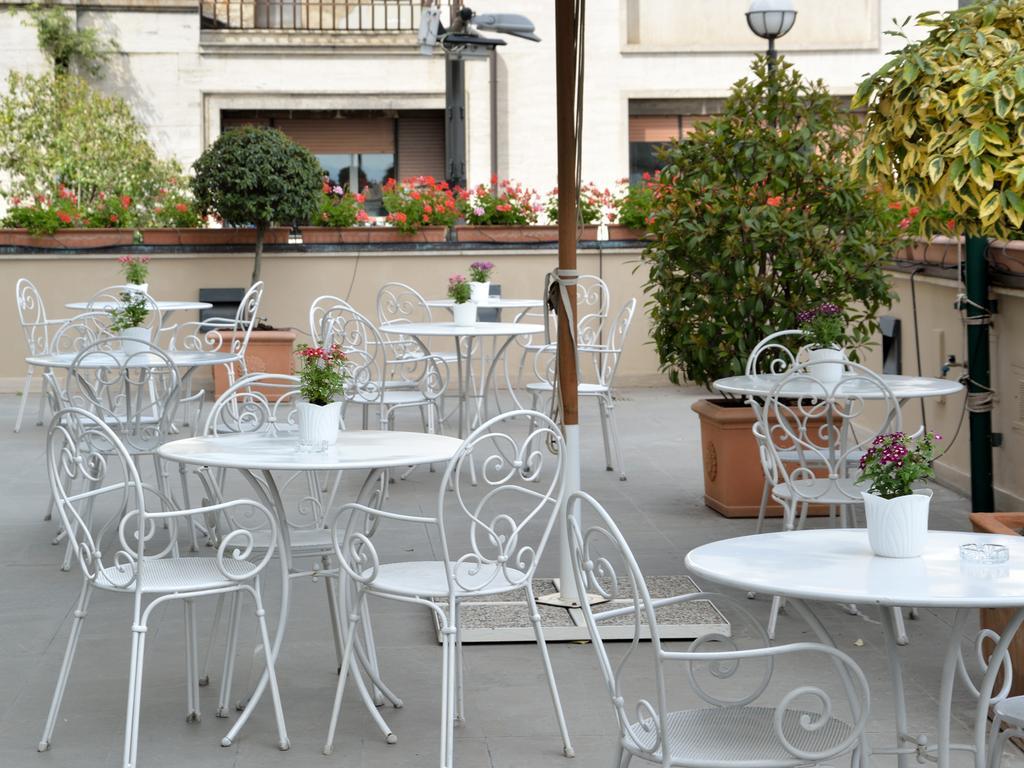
(984, 554)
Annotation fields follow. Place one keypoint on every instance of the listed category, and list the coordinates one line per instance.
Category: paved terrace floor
(509, 722)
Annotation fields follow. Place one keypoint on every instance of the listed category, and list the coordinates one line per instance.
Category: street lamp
(771, 19)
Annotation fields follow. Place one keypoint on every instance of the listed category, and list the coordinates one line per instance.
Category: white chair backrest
(113, 296)
(242, 324)
(317, 310)
(32, 315)
(607, 359)
(772, 354)
(495, 528)
(826, 425)
(399, 303)
(367, 364)
(593, 305)
(255, 404)
(78, 332)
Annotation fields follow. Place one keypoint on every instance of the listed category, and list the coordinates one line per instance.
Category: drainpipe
(979, 385)
(494, 120)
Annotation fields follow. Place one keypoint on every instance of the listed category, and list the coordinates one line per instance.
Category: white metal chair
(503, 522)
(372, 372)
(733, 728)
(37, 328)
(129, 555)
(113, 295)
(605, 360)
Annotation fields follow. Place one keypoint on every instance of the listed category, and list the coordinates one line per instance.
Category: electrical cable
(917, 339)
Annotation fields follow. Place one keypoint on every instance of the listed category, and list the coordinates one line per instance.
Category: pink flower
(478, 211)
(904, 223)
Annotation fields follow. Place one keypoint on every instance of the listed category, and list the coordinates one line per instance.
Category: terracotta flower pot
(547, 233)
(996, 619)
(620, 233)
(67, 238)
(212, 236)
(370, 235)
(268, 352)
(733, 478)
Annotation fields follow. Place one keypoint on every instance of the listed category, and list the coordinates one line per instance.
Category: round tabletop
(903, 387)
(163, 306)
(838, 566)
(495, 302)
(102, 359)
(353, 450)
(451, 329)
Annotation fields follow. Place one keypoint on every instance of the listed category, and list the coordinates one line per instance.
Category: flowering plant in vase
(480, 280)
(135, 269)
(459, 291)
(321, 381)
(824, 328)
(896, 511)
(126, 321)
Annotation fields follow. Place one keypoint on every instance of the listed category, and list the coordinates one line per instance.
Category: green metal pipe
(976, 277)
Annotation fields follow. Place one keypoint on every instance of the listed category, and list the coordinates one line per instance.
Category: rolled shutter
(421, 145)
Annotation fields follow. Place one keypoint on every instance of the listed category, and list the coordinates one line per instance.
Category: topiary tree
(755, 219)
(945, 120)
(259, 177)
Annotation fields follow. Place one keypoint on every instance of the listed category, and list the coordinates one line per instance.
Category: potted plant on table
(136, 271)
(824, 329)
(757, 217)
(896, 511)
(464, 311)
(321, 382)
(480, 281)
(126, 321)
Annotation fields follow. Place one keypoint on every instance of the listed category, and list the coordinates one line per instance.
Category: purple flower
(483, 266)
(478, 211)
(828, 309)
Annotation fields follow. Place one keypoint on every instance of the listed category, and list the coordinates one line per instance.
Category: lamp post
(771, 19)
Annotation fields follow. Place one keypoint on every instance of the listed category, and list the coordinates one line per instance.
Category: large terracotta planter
(212, 236)
(67, 238)
(623, 234)
(268, 352)
(370, 235)
(733, 477)
(547, 233)
(996, 619)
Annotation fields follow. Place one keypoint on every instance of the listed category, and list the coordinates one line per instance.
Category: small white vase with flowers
(321, 383)
(480, 281)
(464, 308)
(824, 328)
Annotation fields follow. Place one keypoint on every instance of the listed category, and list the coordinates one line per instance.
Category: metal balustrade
(354, 16)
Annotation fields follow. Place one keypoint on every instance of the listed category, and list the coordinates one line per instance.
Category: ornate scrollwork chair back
(608, 355)
(114, 295)
(731, 673)
(318, 309)
(400, 303)
(774, 353)
(593, 306)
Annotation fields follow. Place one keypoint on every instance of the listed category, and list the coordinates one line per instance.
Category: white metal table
(903, 387)
(837, 566)
(495, 302)
(264, 454)
(189, 359)
(167, 308)
(464, 357)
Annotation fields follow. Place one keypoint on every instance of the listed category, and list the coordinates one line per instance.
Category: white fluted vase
(135, 340)
(318, 425)
(480, 292)
(898, 527)
(826, 364)
(464, 314)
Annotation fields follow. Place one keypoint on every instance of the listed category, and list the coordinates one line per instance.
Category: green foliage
(756, 218)
(824, 326)
(130, 313)
(259, 177)
(458, 289)
(421, 201)
(67, 47)
(172, 206)
(635, 203)
(339, 208)
(945, 122)
(323, 375)
(896, 461)
(590, 206)
(55, 130)
(134, 268)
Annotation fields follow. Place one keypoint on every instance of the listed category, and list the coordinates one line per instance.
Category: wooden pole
(565, 95)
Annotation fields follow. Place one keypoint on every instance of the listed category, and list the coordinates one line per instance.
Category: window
(653, 123)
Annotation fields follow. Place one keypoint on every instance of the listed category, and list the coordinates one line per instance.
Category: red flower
(774, 202)
(64, 216)
(125, 202)
(904, 223)
(913, 211)
(326, 187)
(895, 206)
(950, 224)
(181, 207)
(113, 218)
(360, 197)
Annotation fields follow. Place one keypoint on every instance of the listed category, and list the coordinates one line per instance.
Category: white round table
(264, 454)
(464, 357)
(188, 359)
(167, 308)
(496, 302)
(837, 566)
(903, 387)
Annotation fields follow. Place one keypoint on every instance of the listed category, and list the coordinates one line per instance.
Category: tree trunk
(261, 231)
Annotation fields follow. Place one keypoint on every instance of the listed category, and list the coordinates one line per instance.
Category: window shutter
(421, 145)
(356, 135)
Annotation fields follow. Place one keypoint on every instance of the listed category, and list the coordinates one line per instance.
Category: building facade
(346, 78)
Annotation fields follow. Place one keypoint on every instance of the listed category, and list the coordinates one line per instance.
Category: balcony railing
(358, 16)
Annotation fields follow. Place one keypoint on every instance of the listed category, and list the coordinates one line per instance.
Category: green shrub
(756, 219)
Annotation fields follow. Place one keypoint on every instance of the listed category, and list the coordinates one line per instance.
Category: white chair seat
(394, 396)
(174, 574)
(1011, 710)
(426, 578)
(317, 539)
(736, 734)
(821, 491)
(584, 388)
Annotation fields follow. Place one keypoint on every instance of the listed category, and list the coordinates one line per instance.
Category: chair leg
(371, 654)
(65, 668)
(332, 611)
(131, 725)
(538, 632)
(204, 672)
(459, 706)
(230, 651)
(994, 758)
(339, 691)
(268, 656)
(24, 399)
(603, 411)
(616, 441)
(901, 627)
(762, 510)
(623, 759)
(192, 714)
(773, 618)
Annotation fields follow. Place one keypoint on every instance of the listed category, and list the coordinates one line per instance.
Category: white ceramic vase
(318, 425)
(465, 313)
(135, 340)
(898, 527)
(480, 293)
(138, 287)
(826, 364)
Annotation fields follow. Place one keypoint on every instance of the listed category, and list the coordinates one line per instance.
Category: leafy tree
(66, 46)
(259, 177)
(56, 130)
(755, 219)
(945, 121)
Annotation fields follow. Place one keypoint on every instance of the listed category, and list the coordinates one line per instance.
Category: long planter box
(370, 235)
(996, 619)
(619, 233)
(211, 236)
(466, 233)
(268, 352)
(67, 239)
